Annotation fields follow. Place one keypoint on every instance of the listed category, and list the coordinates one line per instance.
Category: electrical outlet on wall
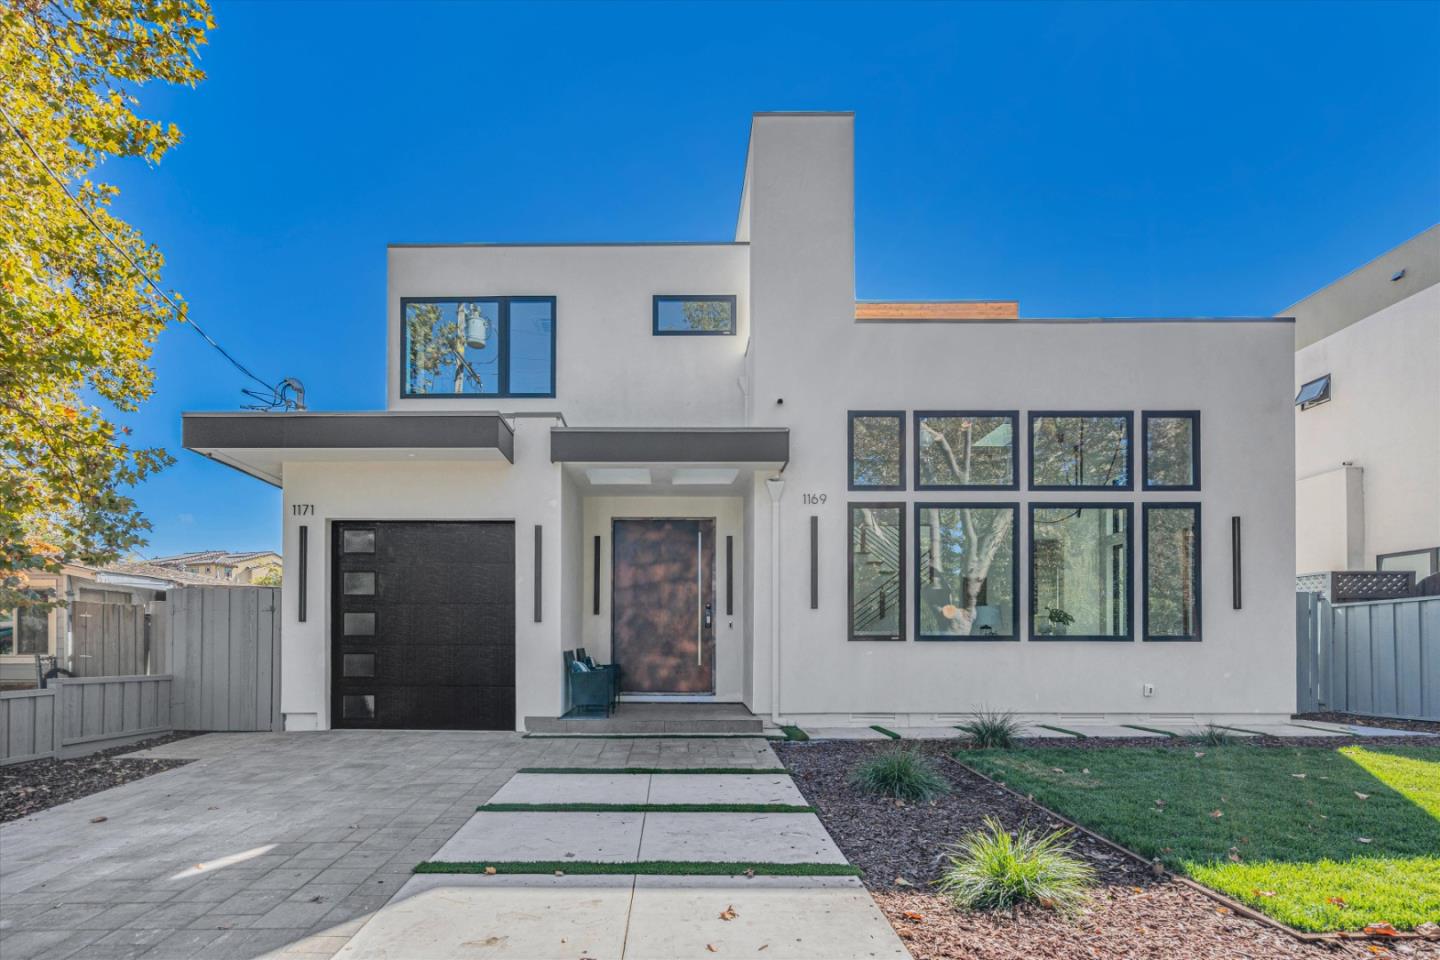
(1148, 689)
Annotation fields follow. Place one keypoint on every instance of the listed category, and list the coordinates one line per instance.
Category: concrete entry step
(656, 718)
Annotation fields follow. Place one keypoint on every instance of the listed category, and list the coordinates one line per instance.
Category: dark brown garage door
(423, 635)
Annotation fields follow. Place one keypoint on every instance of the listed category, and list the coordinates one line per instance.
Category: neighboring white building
(708, 463)
(1367, 443)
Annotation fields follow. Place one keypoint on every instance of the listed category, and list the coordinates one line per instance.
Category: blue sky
(1109, 159)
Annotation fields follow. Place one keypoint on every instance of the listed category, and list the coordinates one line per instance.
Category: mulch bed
(27, 788)
(1419, 726)
(900, 850)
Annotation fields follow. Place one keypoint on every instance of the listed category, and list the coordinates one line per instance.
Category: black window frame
(660, 298)
(1432, 552)
(503, 354)
(1194, 417)
(1322, 397)
(1129, 507)
(899, 507)
(1014, 416)
(1199, 571)
(1015, 561)
(850, 484)
(1127, 415)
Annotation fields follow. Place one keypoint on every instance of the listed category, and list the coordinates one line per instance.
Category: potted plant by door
(1058, 621)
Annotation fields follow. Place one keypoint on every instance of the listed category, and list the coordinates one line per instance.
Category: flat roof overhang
(671, 445)
(259, 443)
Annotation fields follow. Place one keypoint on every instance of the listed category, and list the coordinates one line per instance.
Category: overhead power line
(275, 396)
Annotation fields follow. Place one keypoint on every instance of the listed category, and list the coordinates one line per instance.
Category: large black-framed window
(693, 315)
(1081, 450)
(1170, 588)
(477, 347)
(967, 573)
(876, 565)
(967, 450)
(1081, 571)
(1171, 440)
(877, 449)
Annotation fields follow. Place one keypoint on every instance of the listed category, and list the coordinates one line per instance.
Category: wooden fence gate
(224, 652)
(111, 640)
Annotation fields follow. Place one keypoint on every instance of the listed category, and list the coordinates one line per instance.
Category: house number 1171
(813, 499)
(302, 509)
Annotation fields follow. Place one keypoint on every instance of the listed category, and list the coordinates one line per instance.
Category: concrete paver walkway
(625, 915)
(282, 843)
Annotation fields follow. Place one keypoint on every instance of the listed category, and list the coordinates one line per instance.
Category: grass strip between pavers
(889, 733)
(1071, 733)
(651, 736)
(738, 771)
(674, 868)
(1163, 733)
(644, 808)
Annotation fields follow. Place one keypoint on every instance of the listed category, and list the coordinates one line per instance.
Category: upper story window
(477, 347)
(1172, 449)
(966, 450)
(694, 316)
(1080, 451)
(1313, 393)
(877, 449)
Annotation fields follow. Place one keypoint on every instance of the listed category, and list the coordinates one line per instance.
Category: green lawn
(1292, 838)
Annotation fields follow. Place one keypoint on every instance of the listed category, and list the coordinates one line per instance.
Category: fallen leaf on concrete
(98, 819)
(489, 871)
(749, 871)
(711, 948)
(559, 873)
(728, 913)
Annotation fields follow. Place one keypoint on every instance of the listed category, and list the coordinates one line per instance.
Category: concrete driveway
(272, 843)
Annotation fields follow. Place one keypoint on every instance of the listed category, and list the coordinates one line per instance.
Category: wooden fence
(223, 646)
(112, 640)
(79, 715)
(1380, 658)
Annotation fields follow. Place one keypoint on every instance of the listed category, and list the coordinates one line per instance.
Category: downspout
(776, 486)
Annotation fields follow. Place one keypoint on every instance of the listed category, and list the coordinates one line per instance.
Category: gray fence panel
(83, 714)
(1380, 658)
(223, 643)
(28, 728)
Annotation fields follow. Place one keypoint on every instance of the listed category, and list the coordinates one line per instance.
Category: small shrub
(991, 870)
(1213, 736)
(902, 774)
(991, 729)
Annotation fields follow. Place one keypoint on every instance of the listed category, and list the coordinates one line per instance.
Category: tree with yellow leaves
(80, 306)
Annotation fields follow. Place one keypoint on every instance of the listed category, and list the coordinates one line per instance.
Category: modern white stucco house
(707, 462)
(1367, 445)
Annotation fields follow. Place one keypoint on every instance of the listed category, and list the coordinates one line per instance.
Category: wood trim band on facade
(937, 310)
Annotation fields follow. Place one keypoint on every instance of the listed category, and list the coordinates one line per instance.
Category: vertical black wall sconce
(539, 544)
(1235, 561)
(304, 578)
(595, 580)
(729, 576)
(814, 562)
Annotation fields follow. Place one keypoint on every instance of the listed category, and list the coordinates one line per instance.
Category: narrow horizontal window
(966, 580)
(357, 541)
(877, 571)
(1172, 450)
(359, 665)
(1172, 571)
(1313, 393)
(1424, 563)
(1080, 562)
(480, 347)
(877, 450)
(359, 624)
(357, 706)
(359, 584)
(966, 451)
(694, 316)
(1080, 451)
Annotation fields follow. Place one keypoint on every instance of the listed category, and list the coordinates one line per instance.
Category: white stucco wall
(527, 492)
(610, 369)
(810, 352)
(1384, 418)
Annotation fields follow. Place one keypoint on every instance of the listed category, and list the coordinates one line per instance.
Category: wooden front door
(663, 605)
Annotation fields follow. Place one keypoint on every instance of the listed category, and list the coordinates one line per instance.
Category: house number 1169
(813, 499)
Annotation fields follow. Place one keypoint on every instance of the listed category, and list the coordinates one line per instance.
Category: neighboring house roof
(222, 557)
(172, 576)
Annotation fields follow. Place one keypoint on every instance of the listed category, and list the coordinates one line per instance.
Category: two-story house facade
(708, 463)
